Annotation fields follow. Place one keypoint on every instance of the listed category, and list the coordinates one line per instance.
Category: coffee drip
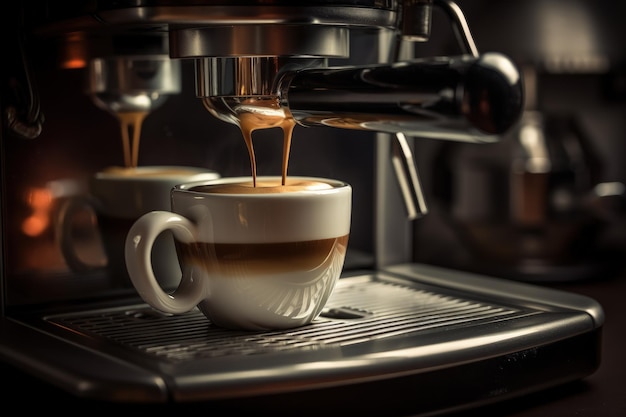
(256, 113)
(131, 123)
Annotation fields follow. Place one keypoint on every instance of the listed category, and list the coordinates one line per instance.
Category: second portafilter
(139, 83)
(131, 87)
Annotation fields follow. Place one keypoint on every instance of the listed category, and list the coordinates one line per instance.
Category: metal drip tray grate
(384, 334)
(360, 310)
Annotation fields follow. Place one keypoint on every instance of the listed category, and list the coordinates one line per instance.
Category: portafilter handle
(461, 98)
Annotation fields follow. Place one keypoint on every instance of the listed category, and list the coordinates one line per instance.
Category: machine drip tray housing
(411, 339)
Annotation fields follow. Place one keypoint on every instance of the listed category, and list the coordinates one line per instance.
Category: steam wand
(407, 176)
(402, 158)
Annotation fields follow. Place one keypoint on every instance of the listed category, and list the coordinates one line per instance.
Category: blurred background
(547, 203)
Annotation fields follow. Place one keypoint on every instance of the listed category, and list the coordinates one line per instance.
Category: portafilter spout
(141, 83)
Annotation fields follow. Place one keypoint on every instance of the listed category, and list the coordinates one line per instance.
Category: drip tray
(360, 311)
(456, 339)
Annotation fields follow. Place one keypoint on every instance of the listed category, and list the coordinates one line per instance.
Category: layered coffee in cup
(253, 256)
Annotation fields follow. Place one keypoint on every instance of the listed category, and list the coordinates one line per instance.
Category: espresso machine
(346, 72)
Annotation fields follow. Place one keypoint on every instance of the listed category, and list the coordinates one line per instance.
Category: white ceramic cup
(117, 196)
(264, 257)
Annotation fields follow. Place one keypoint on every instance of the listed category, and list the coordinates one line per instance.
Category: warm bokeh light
(73, 51)
(35, 225)
(40, 201)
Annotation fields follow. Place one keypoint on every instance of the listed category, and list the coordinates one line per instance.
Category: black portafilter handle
(464, 98)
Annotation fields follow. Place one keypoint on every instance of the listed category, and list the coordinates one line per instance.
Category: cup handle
(138, 248)
(63, 231)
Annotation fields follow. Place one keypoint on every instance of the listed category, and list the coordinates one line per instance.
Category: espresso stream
(265, 114)
(131, 121)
